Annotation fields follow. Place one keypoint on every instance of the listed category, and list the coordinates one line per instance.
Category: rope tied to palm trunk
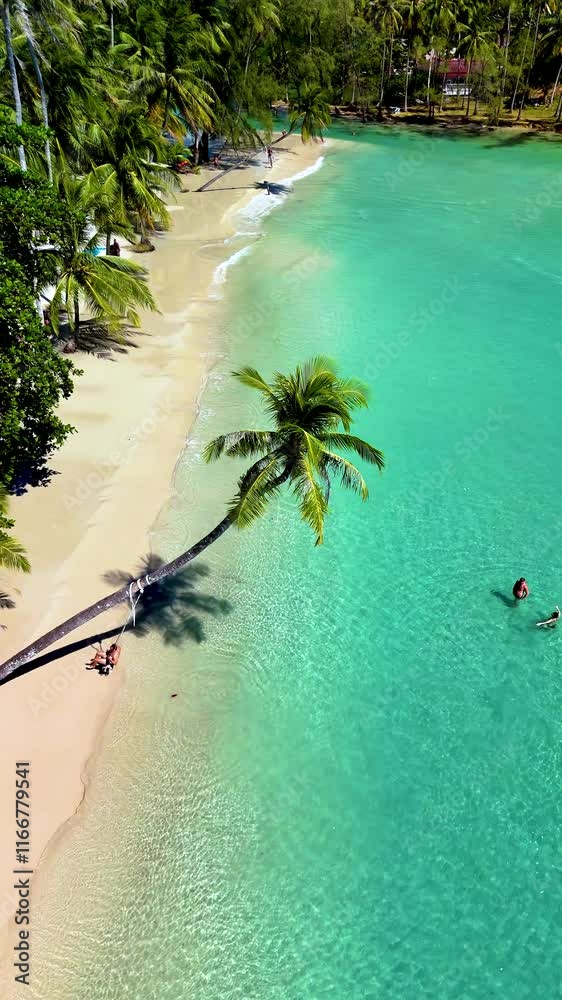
(134, 600)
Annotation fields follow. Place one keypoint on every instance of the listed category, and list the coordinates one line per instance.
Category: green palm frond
(355, 393)
(350, 477)
(113, 288)
(240, 444)
(12, 554)
(4, 501)
(318, 365)
(252, 378)
(118, 286)
(311, 498)
(311, 111)
(348, 442)
(253, 497)
(163, 88)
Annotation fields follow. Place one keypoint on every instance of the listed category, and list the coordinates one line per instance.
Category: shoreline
(444, 119)
(103, 503)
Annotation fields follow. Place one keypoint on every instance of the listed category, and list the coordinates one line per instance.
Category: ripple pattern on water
(355, 793)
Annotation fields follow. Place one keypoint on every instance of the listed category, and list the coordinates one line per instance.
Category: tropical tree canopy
(197, 66)
(312, 410)
(33, 380)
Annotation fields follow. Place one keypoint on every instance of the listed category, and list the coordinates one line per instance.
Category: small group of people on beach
(521, 592)
(104, 660)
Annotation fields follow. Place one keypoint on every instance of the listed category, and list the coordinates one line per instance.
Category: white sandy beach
(132, 416)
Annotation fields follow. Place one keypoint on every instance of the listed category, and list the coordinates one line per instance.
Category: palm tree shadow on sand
(175, 609)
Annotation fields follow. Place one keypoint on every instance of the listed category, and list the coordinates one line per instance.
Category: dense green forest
(100, 98)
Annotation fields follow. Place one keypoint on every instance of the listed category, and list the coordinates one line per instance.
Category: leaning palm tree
(311, 111)
(311, 412)
(12, 552)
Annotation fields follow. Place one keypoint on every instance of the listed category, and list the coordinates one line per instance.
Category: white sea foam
(242, 233)
(306, 172)
(264, 203)
(222, 270)
(253, 213)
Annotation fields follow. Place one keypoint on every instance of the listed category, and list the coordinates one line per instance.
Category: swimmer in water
(520, 589)
(552, 621)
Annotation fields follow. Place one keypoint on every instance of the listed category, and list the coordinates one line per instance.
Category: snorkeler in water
(552, 621)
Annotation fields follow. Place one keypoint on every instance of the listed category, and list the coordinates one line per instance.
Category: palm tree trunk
(531, 63)
(407, 77)
(520, 73)
(249, 53)
(467, 88)
(241, 163)
(112, 601)
(166, 105)
(475, 109)
(43, 93)
(111, 27)
(555, 88)
(76, 316)
(442, 91)
(126, 593)
(13, 75)
(506, 55)
(382, 72)
(429, 72)
(107, 244)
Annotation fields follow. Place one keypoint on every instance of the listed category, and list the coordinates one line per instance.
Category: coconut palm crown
(311, 111)
(312, 410)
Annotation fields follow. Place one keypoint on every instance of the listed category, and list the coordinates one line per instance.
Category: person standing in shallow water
(520, 589)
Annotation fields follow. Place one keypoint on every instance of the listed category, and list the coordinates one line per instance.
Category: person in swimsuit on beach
(552, 621)
(520, 589)
(99, 659)
(113, 654)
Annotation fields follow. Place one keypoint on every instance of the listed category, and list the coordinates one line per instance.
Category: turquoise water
(357, 792)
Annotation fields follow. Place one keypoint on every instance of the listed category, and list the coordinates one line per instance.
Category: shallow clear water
(357, 791)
